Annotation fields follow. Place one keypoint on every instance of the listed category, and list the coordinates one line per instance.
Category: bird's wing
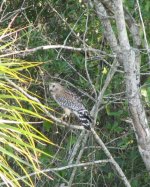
(72, 95)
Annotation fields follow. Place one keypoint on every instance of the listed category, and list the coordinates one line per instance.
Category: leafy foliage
(64, 22)
(18, 137)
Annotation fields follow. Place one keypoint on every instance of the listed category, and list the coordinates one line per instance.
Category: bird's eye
(53, 86)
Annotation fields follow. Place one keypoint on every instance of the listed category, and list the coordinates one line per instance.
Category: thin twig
(94, 111)
(46, 47)
(76, 147)
(61, 168)
(144, 32)
(115, 164)
(44, 109)
(72, 29)
(86, 68)
(84, 140)
(18, 122)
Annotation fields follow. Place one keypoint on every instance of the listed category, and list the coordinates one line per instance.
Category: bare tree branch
(144, 32)
(62, 168)
(43, 108)
(115, 164)
(128, 56)
(46, 47)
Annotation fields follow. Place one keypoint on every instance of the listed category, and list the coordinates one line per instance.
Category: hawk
(71, 104)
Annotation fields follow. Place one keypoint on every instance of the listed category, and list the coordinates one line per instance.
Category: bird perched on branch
(71, 104)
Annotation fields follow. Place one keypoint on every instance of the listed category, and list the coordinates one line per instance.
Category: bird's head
(55, 87)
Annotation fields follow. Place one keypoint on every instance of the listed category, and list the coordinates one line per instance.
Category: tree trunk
(139, 119)
(130, 59)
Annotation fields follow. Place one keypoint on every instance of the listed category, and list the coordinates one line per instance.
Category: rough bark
(130, 59)
(136, 107)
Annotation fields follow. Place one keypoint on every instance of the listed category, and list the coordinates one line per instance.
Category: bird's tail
(85, 118)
